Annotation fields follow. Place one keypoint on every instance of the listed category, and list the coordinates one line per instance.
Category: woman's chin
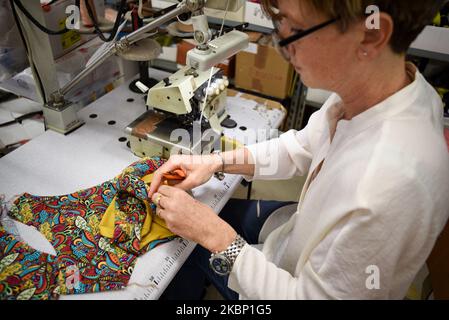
(306, 80)
(302, 75)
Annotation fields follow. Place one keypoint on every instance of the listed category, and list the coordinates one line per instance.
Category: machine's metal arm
(122, 45)
(60, 114)
(194, 6)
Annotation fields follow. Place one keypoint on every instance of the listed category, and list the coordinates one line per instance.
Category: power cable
(35, 22)
(121, 12)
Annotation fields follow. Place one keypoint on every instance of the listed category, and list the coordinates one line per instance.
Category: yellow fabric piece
(148, 178)
(154, 228)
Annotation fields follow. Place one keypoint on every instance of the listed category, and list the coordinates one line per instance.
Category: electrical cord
(6, 96)
(21, 118)
(91, 15)
(163, 11)
(51, 2)
(19, 4)
(121, 12)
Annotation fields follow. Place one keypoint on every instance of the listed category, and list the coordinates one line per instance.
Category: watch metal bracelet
(234, 249)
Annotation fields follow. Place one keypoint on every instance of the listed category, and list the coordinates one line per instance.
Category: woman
(377, 167)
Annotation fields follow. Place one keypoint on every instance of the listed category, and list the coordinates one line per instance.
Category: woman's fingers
(159, 174)
(180, 167)
(188, 184)
(166, 191)
(155, 182)
(158, 199)
(161, 213)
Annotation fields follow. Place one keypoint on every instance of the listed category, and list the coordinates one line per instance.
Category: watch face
(220, 264)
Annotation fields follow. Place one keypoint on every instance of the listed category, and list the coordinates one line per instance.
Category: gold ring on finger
(156, 201)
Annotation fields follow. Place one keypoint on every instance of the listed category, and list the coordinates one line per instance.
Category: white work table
(54, 164)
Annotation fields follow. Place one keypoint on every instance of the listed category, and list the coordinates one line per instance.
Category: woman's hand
(198, 170)
(192, 219)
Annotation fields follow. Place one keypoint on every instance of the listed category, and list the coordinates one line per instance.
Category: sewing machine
(176, 113)
(61, 114)
(188, 108)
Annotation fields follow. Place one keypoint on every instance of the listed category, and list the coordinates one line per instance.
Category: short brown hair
(409, 16)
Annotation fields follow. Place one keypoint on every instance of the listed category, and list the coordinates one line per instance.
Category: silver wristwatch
(222, 262)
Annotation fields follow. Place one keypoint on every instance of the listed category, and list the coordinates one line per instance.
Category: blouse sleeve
(288, 155)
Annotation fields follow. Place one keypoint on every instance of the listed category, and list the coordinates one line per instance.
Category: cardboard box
(184, 46)
(262, 69)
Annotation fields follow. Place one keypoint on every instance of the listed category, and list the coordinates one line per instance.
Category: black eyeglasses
(281, 44)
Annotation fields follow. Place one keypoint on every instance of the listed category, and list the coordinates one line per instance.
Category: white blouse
(370, 218)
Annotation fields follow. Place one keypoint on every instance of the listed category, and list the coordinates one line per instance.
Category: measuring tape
(160, 275)
(220, 188)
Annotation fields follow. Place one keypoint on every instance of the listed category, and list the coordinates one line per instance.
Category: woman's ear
(376, 39)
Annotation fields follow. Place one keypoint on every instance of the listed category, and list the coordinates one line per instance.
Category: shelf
(432, 43)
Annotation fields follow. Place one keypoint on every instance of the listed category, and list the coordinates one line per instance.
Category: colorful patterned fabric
(130, 220)
(86, 261)
(24, 272)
